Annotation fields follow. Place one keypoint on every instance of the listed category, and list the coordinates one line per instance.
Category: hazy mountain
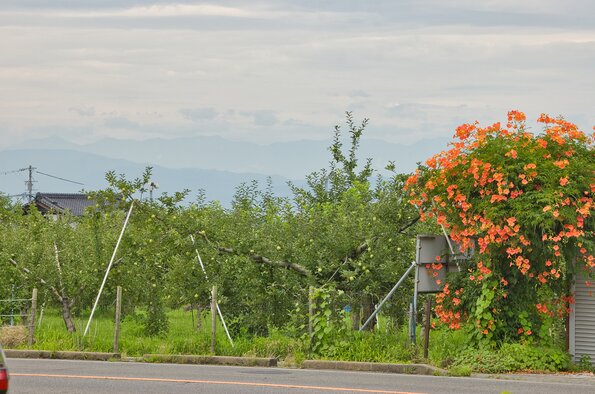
(213, 164)
(287, 159)
(90, 169)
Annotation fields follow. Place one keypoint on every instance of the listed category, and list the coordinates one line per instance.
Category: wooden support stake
(427, 326)
(192, 314)
(117, 321)
(310, 311)
(213, 318)
(32, 320)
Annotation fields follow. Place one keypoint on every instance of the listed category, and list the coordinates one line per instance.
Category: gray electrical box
(434, 260)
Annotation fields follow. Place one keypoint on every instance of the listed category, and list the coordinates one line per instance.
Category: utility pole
(29, 183)
(152, 186)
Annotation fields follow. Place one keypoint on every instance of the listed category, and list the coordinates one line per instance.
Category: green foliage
(382, 347)
(348, 235)
(448, 349)
(584, 363)
(513, 357)
(329, 330)
(343, 230)
(460, 370)
(156, 322)
(446, 345)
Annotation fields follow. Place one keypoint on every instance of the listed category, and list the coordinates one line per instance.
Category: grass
(448, 349)
(181, 338)
(462, 370)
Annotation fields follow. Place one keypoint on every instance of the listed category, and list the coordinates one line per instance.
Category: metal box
(432, 252)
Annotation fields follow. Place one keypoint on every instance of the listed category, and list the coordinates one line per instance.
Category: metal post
(410, 312)
(213, 318)
(414, 309)
(117, 320)
(388, 296)
(427, 326)
(12, 301)
(32, 320)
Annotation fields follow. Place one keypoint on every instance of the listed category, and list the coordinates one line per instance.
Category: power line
(57, 177)
(29, 182)
(13, 171)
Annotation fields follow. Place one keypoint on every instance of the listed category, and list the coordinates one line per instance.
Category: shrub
(513, 357)
(529, 358)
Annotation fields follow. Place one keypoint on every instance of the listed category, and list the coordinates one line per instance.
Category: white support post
(111, 262)
(204, 271)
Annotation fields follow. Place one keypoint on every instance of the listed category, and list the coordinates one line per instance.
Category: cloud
(153, 67)
(83, 111)
(186, 10)
(164, 11)
(414, 110)
(358, 94)
(155, 10)
(196, 114)
(120, 122)
(262, 118)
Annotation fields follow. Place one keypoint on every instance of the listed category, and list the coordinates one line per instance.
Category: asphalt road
(60, 376)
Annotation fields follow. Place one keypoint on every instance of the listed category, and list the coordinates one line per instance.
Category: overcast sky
(266, 71)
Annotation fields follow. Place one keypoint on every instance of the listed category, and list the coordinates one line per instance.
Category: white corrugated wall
(582, 322)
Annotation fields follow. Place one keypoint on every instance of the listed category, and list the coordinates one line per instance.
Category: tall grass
(183, 338)
(387, 345)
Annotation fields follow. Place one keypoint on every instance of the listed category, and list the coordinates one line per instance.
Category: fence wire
(13, 309)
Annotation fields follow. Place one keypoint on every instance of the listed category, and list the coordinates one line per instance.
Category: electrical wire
(13, 171)
(57, 177)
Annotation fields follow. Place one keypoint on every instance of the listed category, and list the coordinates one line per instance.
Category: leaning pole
(111, 262)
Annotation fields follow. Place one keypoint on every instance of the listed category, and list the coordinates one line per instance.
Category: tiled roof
(60, 202)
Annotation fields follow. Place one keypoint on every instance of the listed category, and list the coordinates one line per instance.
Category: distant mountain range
(90, 170)
(213, 164)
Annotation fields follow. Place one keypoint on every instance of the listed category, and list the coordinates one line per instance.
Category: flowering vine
(525, 200)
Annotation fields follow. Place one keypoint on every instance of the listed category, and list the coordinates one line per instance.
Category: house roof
(61, 202)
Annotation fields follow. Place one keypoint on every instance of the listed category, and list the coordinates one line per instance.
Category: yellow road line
(287, 386)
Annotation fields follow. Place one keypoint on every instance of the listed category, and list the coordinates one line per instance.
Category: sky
(271, 71)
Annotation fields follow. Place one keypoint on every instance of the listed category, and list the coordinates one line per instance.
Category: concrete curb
(212, 360)
(415, 369)
(94, 356)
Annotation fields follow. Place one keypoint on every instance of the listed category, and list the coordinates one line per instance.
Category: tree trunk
(368, 309)
(355, 317)
(67, 316)
(198, 318)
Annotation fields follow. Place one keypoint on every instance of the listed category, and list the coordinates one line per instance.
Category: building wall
(582, 322)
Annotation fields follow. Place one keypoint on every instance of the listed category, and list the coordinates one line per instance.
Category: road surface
(65, 376)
